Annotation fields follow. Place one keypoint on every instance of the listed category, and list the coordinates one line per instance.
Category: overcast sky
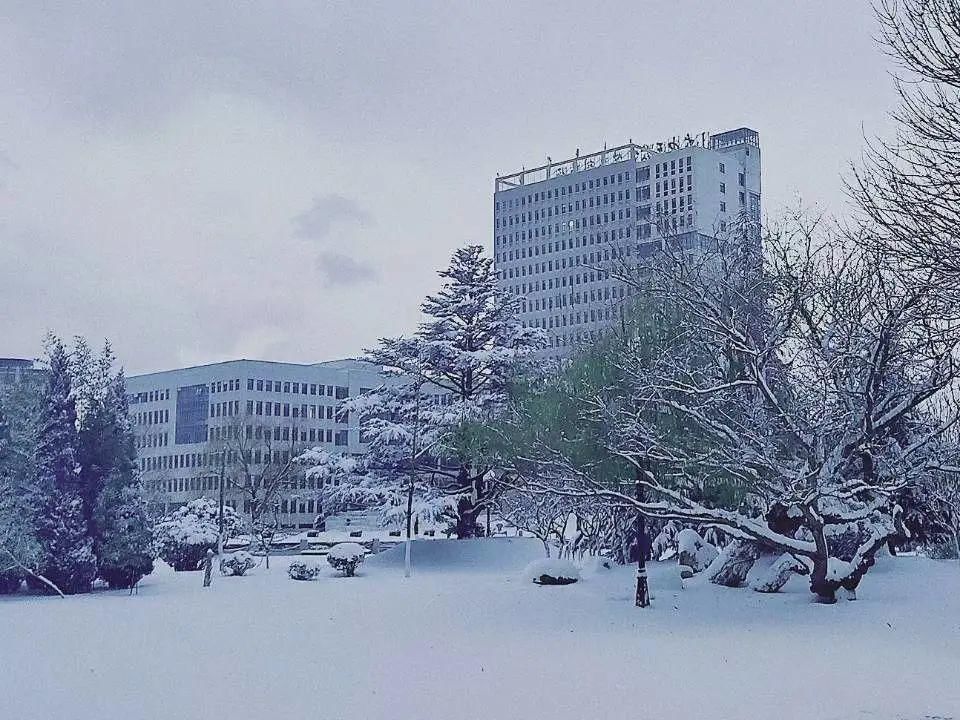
(281, 180)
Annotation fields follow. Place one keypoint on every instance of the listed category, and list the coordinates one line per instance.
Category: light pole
(643, 588)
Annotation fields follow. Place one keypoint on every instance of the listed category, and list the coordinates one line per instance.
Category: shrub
(299, 570)
(345, 557)
(237, 563)
(552, 571)
(126, 573)
(126, 551)
(183, 537)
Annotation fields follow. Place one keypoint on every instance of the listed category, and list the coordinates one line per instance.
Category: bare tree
(805, 378)
(909, 187)
(941, 491)
(258, 461)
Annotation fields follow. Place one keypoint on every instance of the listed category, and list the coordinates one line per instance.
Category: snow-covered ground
(466, 638)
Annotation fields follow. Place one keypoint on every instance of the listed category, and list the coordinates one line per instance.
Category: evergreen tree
(122, 525)
(66, 550)
(67, 558)
(18, 545)
(424, 454)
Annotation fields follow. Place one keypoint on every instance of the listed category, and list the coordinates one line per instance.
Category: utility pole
(220, 487)
(413, 479)
(643, 588)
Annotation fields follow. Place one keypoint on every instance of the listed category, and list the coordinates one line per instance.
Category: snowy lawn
(466, 638)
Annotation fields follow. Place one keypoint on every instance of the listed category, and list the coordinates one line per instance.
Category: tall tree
(67, 558)
(909, 186)
(454, 371)
(122, 525)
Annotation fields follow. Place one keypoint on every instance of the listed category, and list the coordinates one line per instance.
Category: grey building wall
(179, 416)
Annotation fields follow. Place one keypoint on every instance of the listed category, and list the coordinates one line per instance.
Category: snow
(693, 552)
(465, 633)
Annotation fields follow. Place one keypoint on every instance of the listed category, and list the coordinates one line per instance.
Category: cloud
(339, 269)
(327, 210)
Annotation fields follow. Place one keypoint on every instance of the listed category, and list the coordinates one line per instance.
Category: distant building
(557, 226)
(14, 371)
(181, 415)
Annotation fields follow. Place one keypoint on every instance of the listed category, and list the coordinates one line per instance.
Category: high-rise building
(557, 226)
(184, 418)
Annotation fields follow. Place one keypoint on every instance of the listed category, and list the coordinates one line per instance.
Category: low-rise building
(190, 422)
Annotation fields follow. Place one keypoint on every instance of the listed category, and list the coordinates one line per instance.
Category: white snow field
(465, 637)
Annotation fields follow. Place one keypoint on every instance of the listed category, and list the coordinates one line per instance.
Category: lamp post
(643, 587)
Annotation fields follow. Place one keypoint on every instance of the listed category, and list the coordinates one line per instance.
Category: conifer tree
(66, 550)
(424, 457)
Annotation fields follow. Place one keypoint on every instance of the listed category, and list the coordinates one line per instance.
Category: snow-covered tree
(116, 511)
(808, 382)
(424, 456)
(67, 559)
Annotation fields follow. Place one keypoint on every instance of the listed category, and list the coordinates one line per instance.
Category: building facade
(557, 226)
(184, 419)
(16, 371)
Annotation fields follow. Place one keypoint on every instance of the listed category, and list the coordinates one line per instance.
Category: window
(723, 188)
(250, 384)
(741, 178)
(723, 207)
(723, 168)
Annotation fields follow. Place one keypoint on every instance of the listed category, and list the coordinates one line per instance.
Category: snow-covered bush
(345, 557)
(300, 570)
(126, 552)
(183, 537)
(693, 552)
(552, 571)
(664, 545)
(237, 563)
(734, 562)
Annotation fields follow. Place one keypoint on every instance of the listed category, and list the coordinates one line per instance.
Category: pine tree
(424, 456)
(122, 526)
(66, 558)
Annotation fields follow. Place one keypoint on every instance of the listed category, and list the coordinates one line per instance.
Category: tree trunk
(825, 590)
(736, 560)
